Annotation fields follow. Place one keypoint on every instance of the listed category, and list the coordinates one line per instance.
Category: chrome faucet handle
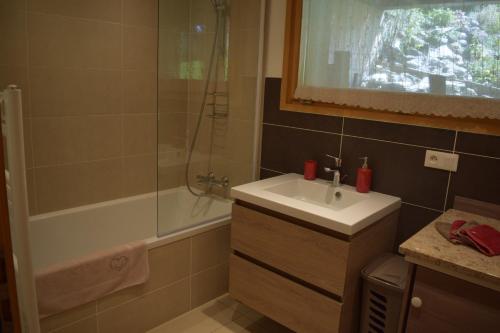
(225, 182)
(329, 170)
(338, 160)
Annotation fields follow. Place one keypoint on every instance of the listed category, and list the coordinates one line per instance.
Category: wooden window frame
(291, 60)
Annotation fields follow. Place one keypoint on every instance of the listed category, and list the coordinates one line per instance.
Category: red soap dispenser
(364, 178)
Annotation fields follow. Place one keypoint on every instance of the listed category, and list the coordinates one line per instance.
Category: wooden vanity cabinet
(443, 303)
(302, 276)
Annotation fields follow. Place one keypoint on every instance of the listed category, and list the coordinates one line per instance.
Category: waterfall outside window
(422, 56)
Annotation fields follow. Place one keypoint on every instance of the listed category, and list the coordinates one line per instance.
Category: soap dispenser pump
(364, 177)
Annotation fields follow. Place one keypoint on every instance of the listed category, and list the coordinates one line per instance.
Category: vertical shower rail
(15, 177)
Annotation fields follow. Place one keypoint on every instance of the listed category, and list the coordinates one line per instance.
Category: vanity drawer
(311, 256)
(293, 305)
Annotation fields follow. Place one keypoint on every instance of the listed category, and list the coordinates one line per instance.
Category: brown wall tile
(412, 219)
(210, 249)
(108, 10)
(397, 170)
(68, 317)
(104, 180)
(264, 174)
(59, 140)
(59, 41)
(140, 92)
(12, 24)
(286, 149)
(415, 135)
(60, 187)
(139, 134)
(139, 174)
(146, 312)
(476, 178)
(140, 12)
(87, 325)
(209, 284)
(104, 137)
(140, 48)
(487, 145)
(61, 92)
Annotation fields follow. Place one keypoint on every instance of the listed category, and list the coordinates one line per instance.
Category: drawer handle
(416, 302)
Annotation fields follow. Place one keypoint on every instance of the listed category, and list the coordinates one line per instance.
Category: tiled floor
(223, 315)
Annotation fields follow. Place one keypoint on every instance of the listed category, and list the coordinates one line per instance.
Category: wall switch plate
(441, 160)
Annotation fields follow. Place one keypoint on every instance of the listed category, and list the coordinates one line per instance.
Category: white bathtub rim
(102, 204)
(178, 235)
(79, 209)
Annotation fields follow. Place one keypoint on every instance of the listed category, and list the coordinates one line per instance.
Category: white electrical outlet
(441, 160)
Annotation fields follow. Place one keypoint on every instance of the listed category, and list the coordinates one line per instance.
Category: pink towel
(75, 282)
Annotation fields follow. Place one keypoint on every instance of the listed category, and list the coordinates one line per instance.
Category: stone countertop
(428, 248)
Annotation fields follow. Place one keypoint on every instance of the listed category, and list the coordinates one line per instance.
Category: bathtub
(76, 232)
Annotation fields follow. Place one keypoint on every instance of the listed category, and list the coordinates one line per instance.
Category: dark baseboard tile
(477, 178)
(285, 149)
(478, 144)
(266, 173)
(412, 219)
(407, 134)
(397, 170)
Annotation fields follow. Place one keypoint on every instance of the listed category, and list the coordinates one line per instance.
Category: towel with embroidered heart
(66, 285)
(483, 238)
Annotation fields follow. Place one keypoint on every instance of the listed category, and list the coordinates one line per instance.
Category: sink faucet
(335, 170)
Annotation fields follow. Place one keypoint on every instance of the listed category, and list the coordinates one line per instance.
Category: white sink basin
(318, 193)
(340, 209)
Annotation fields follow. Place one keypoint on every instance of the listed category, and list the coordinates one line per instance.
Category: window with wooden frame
(425, 62)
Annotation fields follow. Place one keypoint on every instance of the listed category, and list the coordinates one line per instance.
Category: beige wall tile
(140, 48)
(139, 134)
(235, 144)
(171, 177)
(60, 187)
(172, 95)
(168, 264)
(11, 5)
(106, 10)
(140, 92)
(204, 135)
(105, 180)
(172, 53)
(200, 45)
(12, 24)
(209, 284)
(146, 312)
(17, 75)
(140, 12)
(210, 249)
(174, 15)
(30, 179)
(104, 137)
(62, 42)
(59, 92)
(202, 14)
(65, 318)
(171, 128)
(245, 14)
(88, 325)
(139, 174)
(28, 152)
(59, 140)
